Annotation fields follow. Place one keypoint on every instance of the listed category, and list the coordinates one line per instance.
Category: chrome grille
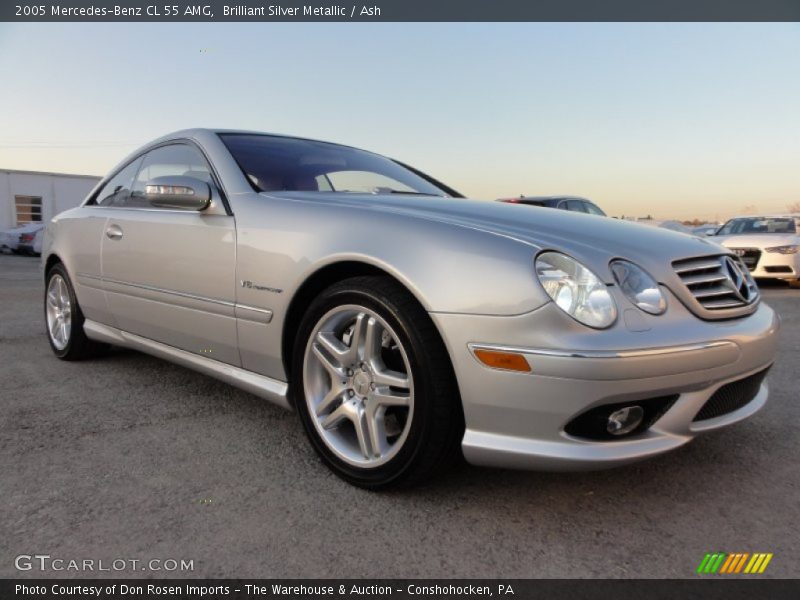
(749, 256)
(717, 282)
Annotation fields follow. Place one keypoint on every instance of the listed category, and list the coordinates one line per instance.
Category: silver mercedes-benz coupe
(404, 323)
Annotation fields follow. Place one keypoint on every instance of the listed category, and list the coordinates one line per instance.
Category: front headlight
(792, 249)
(576, 290)
(639, 287)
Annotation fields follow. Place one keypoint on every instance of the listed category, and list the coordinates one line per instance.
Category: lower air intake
(732, 396)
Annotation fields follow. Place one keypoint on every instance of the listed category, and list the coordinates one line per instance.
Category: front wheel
(64, 318)
(374, 386)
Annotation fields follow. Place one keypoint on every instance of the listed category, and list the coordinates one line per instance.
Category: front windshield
(747, 225)
(274, 163)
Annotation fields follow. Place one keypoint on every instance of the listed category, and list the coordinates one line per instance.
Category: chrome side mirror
(185, 193)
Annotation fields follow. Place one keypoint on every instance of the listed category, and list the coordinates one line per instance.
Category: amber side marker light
(509, 361)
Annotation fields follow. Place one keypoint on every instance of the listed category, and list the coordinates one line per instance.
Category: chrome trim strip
(151, 288)
(252, 313)
(87, 276)
(241, 311)
(91, 281)
(601, 353)
(696, 266)
(265, 387)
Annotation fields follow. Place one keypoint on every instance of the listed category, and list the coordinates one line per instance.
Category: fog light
(613, 421)
(624, 420)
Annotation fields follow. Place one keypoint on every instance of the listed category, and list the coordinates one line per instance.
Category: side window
(575, 206)
(176, 159)
(323, 183)
(593, 209)
(116, 191)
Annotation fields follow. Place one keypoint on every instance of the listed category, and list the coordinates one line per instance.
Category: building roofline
(49, 173)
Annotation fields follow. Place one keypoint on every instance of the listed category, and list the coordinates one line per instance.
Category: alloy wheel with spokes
(358, 386)
(64, 318)
(58, 309)
(374, 386)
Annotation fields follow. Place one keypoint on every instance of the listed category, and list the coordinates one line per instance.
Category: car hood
(757, 240)
(593, 239)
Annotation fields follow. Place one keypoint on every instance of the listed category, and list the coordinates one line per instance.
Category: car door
(169, 274)
(84, 228)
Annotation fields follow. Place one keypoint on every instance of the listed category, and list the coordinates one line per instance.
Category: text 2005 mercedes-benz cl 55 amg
(401, 321)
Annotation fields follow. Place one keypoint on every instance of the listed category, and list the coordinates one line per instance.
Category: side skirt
(265, 387)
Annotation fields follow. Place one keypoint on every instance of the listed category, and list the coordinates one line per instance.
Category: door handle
(114, 232)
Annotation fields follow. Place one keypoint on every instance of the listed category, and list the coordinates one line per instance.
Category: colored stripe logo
(734, 563)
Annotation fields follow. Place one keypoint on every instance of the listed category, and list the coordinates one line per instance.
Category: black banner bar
(708, 588)
(402, 10)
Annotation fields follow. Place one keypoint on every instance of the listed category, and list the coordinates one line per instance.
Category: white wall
(58, 192)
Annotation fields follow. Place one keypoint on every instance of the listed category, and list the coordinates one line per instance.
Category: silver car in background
(405, 324)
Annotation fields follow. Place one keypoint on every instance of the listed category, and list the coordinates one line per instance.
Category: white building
(31, 196)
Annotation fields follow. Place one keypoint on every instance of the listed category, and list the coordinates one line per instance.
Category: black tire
(794, 283)
(79, 346)
(437, 424)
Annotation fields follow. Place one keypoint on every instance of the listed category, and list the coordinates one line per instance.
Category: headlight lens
(640, 288)
(576, 290)
(793, 249)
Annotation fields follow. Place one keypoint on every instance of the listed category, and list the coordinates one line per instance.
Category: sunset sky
(673, 120)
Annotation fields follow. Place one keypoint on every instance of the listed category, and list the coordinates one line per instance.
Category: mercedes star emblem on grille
(737, 280)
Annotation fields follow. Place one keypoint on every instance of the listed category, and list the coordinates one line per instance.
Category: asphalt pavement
(128, 457)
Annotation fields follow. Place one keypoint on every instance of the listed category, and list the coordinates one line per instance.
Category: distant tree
(749, 209)
(794, 207)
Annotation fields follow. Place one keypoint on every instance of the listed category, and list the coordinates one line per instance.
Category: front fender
(449, 267)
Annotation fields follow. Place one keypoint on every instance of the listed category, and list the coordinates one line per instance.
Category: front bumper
(772, 265)
(517, 419)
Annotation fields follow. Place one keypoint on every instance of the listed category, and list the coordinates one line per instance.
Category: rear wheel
(795, 283)
(374, 386)
(64, 318)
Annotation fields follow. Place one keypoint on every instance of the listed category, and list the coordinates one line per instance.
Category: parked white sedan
(30, 241)
(22, 239)
(769, 246)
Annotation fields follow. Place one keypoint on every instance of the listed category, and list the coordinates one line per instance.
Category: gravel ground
(129, 457)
